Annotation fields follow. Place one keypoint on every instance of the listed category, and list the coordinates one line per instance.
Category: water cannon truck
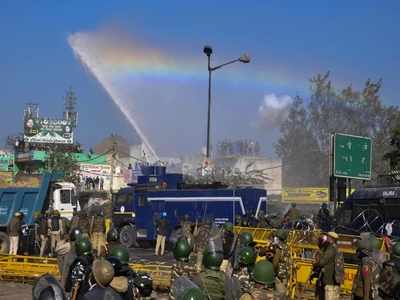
(158, 194)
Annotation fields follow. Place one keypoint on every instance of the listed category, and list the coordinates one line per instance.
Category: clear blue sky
(289, 42)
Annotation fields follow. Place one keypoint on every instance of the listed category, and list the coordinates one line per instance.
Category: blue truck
(50, 194)
(160, 194)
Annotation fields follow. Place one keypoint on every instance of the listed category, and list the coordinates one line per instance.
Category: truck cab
(64, 199)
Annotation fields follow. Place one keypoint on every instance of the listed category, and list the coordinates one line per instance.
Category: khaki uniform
(84, 225)
(260, 294)
(202, 236)
(97, 233)
(281, 262)
(389, 280)
(14, 230)
(162, 230)
(43, 234)
(212, 283)
(327, 262)
(55, 226)
(243, 277)
(364, 286)
(187, 231)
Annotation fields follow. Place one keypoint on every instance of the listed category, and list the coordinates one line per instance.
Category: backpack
(339, 268)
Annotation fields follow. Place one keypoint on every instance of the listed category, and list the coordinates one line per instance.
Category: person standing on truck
(14, 231)
(97, 231)
(56, 229)
(162, 232)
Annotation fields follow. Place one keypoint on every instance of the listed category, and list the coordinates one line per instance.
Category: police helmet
(246, 238)
(83, 246)
(103, 272)
(115, 262)
(121, 253)
(112, 235)
(75, 234)
(182, 250)
(144, 283)
(212, 260)
(228, 226)
(247, 256)
(264, 272)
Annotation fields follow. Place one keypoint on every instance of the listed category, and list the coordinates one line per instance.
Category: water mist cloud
(274, 110)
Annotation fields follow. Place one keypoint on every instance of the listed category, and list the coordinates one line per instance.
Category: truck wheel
(4, 243)
(128, 236)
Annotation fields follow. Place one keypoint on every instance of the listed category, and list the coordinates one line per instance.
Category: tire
(128, 236)
(4, 243)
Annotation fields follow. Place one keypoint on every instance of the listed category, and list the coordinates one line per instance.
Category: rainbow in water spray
(114, 59)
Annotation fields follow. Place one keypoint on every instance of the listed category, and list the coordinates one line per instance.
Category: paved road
(15, 291)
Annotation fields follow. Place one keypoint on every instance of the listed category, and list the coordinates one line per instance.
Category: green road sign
(352, 156)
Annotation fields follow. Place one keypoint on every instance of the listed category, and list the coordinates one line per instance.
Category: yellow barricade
(30, 268)
(302, 269)
(26, 268)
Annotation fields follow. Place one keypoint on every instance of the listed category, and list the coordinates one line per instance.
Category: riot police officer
(247, 258)
(201, 237)
(55, 225)
(83, 223)
(103, 274)
(281, 260)
(266, 286)
(126, 281)
(229, 240)
(42, 231)
(97, 231)
(181, 252)
(69, 258)
(389, 280)
(212, 280)
(77, 283)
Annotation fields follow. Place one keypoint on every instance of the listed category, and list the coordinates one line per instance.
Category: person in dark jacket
(14, 232)
(162, 232)
(43, 231)
(56, 229)
(326, 263)
(324, 219)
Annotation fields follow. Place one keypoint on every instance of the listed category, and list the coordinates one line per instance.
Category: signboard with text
(305, 195)
(48, 131)
(352, 156)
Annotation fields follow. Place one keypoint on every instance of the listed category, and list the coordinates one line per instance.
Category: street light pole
(209, 107)
(244, 58)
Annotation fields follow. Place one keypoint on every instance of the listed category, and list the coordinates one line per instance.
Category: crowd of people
(212, 261)
(92, 183)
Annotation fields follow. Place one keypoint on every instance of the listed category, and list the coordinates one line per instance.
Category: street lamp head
(207, 50)
(244, 58)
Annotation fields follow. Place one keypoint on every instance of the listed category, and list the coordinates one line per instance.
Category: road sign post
(351, 158)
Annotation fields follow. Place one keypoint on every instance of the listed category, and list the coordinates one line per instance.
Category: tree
(298, 148)
(329, 111)
(62, 162)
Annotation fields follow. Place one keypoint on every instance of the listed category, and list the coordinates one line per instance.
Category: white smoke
(274, 110)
